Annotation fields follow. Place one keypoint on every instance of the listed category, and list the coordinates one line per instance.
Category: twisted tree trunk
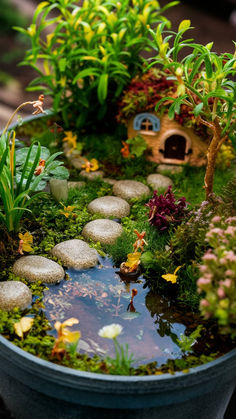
(213, 148)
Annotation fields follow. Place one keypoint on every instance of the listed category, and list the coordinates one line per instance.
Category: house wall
(156, 141)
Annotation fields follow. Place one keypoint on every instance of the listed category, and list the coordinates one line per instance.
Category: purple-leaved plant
(166, 210)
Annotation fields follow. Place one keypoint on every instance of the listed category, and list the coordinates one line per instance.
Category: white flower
(110, 331)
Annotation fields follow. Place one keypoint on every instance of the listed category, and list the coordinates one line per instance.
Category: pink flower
(209, 256)
(230, 230)
(203, 268)
(230, 255)
(226, 283)
(203, 281)
(216, 219)
(230, 220)
(204, 303)
(217, 230)
(220, 292)
(229, 272)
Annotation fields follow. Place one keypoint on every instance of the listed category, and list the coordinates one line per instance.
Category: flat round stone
(109, 180)
(92, 175)
(14, 294)
(75, 254)
(76, 161)
(129, 189)
(76, 184)
(157, 181)
(103, 231)
(38, 268)
(110, 206)
(172, 168)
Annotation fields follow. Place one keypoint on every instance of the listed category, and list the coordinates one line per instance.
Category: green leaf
(60, 172)
(138, 145)
(184, 25)
(102, 88)
(62, 64)
(208, 66)
(197, 110)
(86, 73)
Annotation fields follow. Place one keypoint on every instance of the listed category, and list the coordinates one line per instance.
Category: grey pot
(36, 389)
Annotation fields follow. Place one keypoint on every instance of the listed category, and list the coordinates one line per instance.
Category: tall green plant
(15, 198)
(20, 175)
(90, 54)
(205, 86)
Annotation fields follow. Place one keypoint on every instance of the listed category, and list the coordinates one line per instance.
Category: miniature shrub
(218, 280)
(165, 210)
(205, 87)
(91, 53)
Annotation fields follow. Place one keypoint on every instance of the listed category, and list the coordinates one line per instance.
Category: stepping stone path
(75, 254)
(76, 184)
(103, 231)
(14, 294)
(38, 268)
(77, 162)
(110, 206)
(157, 181)
(129, 189)
(170, 168)
(110, 181)
(92, 175)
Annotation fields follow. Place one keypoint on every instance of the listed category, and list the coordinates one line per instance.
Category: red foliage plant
(166, 210)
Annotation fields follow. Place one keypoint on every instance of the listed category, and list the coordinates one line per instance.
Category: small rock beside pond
(75, 254)
(157, 181)
(14, 294)
(38, 268)
(92, 175)
(103, 231)
(129, 189)
(110, 206)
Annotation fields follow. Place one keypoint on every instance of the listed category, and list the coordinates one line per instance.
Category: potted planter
(34, 388)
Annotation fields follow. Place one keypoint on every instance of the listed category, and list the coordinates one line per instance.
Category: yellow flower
(133, 260)
(71, 139)
(25, 242)
(24, 325)
(67, 211)
(111, 331)
(64, 334)
(90, 166)
(172, 277)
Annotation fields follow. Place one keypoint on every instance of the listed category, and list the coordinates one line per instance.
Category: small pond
(98, 297)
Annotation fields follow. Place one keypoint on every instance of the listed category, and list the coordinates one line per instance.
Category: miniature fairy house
(169, 141)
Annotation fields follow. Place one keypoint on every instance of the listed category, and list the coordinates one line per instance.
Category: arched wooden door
(175, 147)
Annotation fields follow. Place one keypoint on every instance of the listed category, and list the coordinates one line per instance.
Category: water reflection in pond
(98, 297)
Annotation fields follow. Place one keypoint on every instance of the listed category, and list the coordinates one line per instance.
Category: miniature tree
(204, 85)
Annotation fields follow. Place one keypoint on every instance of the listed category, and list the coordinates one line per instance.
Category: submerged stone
(75, 254)
(110, 206)
(14, 294)
(38, 268)
(103, 231)
(92, 175)
(129, 189)
(157, 181)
